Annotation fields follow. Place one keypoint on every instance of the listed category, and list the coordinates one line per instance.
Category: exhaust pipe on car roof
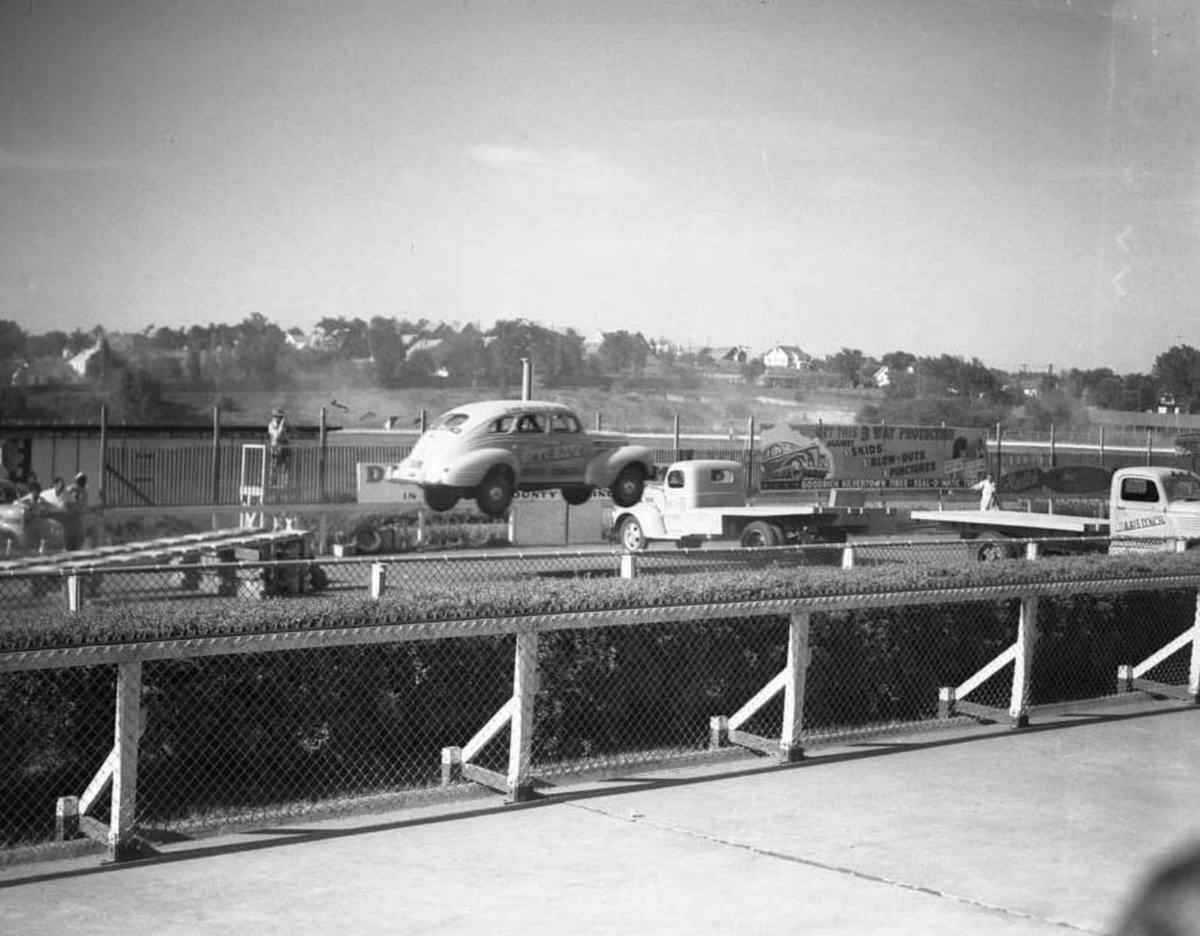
(526, 378)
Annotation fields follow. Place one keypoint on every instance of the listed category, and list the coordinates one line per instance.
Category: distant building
(732, 355)
(79, 362)
(789, 357)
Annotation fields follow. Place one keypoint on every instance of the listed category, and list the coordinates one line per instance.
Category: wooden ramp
(192, 553)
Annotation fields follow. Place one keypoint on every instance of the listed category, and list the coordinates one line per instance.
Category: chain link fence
(231, 737)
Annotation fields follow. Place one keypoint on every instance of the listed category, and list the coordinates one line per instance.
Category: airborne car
(492, 449)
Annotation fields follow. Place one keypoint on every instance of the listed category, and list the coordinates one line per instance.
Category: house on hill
(788, 357)
(737, 354)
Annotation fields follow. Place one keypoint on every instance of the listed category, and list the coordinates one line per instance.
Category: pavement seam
(640, 819)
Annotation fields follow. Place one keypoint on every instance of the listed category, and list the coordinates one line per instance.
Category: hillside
(715, 408)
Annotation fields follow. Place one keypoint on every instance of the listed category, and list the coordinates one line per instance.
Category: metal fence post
(520, 748)
(1022, 689)
(66, 818)
(847, 557)
(451, 765)
(121, 841)
(628, 566)
(790, 748)
(718, 732)
(1194, 665)
(378, 579)
(74, 593)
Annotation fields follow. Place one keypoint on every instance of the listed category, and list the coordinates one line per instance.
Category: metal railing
(213, 730)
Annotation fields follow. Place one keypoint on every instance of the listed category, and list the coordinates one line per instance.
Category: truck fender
(470, 469)
(603, 469)
(648, 518)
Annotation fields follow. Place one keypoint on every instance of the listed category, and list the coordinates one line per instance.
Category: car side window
(530, 422)
(1139, 489)
(563, 422)
(503, 424)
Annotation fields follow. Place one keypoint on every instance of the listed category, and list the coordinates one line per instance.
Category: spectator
(55, 496)
(76, 497)
(279, 436)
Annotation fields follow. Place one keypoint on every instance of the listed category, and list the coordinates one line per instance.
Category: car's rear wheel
(627, 489)
(760, 533)
(440, 498)
(496, 492)
(577, 494)
(631, 534)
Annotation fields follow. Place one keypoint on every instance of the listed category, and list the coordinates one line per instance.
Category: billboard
(807, 456)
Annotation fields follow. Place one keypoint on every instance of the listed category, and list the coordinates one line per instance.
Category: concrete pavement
(975, 831)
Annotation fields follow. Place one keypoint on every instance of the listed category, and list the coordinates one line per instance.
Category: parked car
(490, 450)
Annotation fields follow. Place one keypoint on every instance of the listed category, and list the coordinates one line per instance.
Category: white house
(789, 357)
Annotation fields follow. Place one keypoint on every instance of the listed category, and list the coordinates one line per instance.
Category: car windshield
(1183, 486)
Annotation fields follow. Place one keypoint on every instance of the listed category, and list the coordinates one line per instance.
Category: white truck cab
(1155, 503)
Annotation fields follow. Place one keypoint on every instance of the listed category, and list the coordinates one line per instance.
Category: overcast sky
(1014, 180)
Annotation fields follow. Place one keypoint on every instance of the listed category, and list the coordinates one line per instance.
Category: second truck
(1148, 508)
(705, 499)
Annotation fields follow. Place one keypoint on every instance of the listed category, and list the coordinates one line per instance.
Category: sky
(1011, 180)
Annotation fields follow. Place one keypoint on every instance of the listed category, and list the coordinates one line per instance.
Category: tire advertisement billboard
(808, 456)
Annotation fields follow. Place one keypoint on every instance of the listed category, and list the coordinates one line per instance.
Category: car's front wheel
(577, 494)
(627, 489)
(440, 498)
(496, 492)
(631, 534)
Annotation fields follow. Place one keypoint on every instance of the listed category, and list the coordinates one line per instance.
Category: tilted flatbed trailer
(1149, 508)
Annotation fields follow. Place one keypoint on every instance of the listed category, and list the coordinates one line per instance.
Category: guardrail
(208, 731)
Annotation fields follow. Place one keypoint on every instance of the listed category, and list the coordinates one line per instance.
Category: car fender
(648, 517)
(603, 469)
(468, 469)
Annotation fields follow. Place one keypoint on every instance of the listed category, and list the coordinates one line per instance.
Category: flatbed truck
(700, 500)
(1148, 508)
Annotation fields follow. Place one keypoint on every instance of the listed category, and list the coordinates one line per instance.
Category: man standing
(987, 493)
(280, 452)
(75, 498)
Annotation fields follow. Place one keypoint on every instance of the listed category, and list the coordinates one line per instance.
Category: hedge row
(102, 623)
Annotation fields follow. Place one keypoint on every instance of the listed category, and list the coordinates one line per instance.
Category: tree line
(141, 368)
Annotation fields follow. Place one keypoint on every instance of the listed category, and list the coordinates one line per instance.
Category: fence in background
(136, 741)
(146, 475)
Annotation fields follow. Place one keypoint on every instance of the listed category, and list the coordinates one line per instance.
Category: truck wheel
(627, 489)
(761, 533)
(496, 492)
(440, 498)
(577, 494)
(993, 546)
(631, 535)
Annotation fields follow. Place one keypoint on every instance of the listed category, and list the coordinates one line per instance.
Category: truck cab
(1155, 503)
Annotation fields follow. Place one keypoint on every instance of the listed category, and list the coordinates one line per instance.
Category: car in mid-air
(490, 450)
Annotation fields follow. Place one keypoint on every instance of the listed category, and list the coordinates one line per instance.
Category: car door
(568, 449)
(531, 446)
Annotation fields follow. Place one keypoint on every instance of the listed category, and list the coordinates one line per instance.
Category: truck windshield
(1182, 487)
